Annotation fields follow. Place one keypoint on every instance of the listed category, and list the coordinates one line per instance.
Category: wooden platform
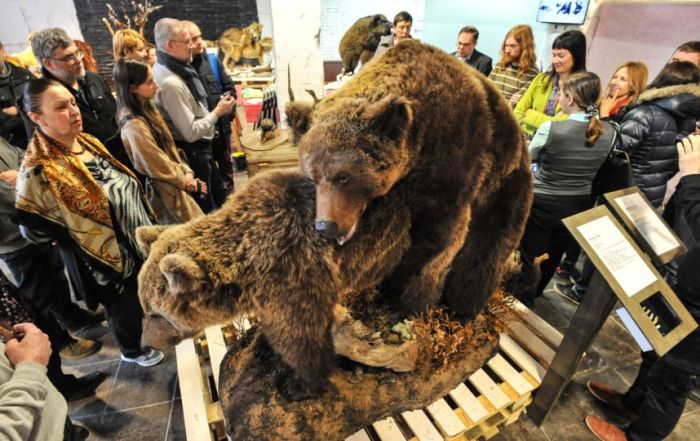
(275, 154)
(198, 361)
(490, 399)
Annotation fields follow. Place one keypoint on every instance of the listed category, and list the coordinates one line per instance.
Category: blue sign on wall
(562, 11)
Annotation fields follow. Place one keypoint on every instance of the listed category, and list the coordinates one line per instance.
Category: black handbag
(616, 172)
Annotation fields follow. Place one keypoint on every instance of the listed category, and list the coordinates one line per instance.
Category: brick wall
(212, 16)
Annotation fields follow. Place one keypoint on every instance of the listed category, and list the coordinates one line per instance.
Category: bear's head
(354, 150)
(172, 288)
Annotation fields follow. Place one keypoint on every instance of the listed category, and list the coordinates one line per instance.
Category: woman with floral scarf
(72, 191)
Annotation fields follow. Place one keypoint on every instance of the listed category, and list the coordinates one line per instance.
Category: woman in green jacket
(540, 102)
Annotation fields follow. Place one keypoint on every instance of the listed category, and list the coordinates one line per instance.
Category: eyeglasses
(463, 44)
(72, 58)
(181, 41)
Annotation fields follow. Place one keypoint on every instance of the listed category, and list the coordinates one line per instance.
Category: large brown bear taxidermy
(360, 41)
(260, 254)
(418, 125)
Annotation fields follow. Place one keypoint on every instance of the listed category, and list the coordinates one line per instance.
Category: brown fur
(360, 41)
(237, 43)
(418, 124)
(259, 253)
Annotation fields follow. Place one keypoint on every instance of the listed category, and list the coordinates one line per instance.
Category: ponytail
(584, 89)
(595, 127)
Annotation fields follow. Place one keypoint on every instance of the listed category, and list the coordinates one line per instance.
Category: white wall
(338, 15)
(19, 17)
(297, 29)
(493, 18)
(265, 16)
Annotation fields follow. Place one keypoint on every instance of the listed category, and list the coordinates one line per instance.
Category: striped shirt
(508, 83)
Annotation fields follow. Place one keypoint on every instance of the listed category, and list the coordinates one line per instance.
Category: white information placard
(617, 254)
(648, 223)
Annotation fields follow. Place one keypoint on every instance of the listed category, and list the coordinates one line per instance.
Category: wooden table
(278, 153)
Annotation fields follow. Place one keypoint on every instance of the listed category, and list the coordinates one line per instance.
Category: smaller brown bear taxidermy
(360, 41)
(276, 266)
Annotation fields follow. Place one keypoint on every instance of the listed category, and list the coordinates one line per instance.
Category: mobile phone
(6, 331)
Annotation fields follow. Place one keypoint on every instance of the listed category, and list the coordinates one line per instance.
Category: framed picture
(562, 11)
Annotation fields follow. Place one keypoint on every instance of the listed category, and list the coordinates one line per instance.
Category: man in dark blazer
(466, 50)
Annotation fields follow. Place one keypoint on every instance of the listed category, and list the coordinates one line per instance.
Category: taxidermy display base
(358, 395)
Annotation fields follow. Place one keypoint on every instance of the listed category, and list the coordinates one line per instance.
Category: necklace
(82, 150)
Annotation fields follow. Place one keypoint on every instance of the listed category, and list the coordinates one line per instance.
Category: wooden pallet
(198, 362)
(489, 399)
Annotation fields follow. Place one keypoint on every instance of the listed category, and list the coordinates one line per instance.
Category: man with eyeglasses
(182, 99)
(61, 60)
(217, 84)
(466, 51)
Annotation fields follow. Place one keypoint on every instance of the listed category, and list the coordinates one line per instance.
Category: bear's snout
(328, 229)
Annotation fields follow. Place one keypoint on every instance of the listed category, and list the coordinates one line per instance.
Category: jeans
(201, 158)
(658, 395)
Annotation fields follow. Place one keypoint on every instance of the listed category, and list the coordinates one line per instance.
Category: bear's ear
(389, 117)
(299, 118)
(145, 236)
(183, 274)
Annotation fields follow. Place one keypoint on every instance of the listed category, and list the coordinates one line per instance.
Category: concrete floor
(136, 403)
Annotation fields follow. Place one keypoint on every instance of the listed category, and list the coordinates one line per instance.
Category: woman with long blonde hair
(625, 86)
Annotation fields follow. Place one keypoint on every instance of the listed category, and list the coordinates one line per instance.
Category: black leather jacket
(97, 105)
(649, 133)
(688, 287)
(11, 85)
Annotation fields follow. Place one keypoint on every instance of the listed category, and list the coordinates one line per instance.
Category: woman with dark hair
(541, 100)
(664, 113)
(569, 153)
(71, 190)
(150, 145)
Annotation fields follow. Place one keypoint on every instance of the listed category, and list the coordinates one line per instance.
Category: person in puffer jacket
(664, 113)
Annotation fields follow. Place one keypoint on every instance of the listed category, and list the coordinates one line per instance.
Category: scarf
(619, 104)
(55, 185)
(187, 73)
(553, 99)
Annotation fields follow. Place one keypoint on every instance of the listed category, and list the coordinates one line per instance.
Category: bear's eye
(341, 180)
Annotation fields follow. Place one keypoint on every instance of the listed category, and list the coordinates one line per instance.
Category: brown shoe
(80, 348)
(606, 394)
(603, 430)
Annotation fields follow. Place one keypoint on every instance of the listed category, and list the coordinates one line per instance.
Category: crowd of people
(81, 170)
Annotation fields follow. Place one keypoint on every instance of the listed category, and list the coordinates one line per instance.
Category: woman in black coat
(664, 113)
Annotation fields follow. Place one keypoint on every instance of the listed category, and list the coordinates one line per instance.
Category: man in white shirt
(182, 100)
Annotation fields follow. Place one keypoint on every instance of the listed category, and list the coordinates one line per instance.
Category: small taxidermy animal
(268, 130)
